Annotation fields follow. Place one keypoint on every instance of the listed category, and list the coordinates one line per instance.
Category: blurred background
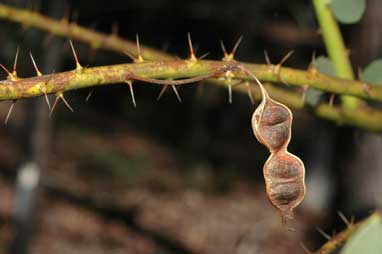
(170, 177)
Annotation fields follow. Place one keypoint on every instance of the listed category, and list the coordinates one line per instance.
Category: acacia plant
(283, 172)
(150, 63)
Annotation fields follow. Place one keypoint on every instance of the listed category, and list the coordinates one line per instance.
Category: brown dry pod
(272, 123)
(284, 173)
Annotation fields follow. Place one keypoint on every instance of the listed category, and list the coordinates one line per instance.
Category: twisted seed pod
(284, 173)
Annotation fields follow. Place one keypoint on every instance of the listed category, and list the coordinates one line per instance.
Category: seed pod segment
(284, 173)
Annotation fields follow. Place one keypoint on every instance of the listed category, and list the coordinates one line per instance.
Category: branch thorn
(325, 235)
(331, 99)
(43, 90)
(312, 66)
(78, 65)
(192, 52)
(140, 58)
(193, 57)
(344, 219)
(223, 49)
(231, 56)
(10, 111)
(176, 93)
(60, 95)
(267, 59)
(14, 72)
(276, 69)
(248, 84)
(130, 55)
(35, 65)
(130, 83)
(10, 75)
(203, 56)
(89, 95)
(54, 106)
(229, 75)
(164, 88)
(47, 100)
(313, 61)
(229, 93)
(236, 45)
(285, 58)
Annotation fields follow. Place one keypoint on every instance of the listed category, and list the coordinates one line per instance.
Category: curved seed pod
(284, 173)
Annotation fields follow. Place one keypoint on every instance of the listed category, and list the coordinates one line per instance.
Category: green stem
(101, 75)
(335, 46)
(113, 42)
(362, 117)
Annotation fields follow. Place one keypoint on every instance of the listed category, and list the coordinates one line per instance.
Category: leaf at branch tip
(367, 238)
(348, 11)
(373, 73)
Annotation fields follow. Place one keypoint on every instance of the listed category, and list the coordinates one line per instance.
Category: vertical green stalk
(335, 46)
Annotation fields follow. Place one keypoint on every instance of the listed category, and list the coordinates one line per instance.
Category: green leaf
(373, 73)
(324, 65)
(313, 97)
(367, 239)
(348, 11)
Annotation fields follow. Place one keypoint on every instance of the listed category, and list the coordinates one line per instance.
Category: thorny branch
(266, 73)
(169, 69)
